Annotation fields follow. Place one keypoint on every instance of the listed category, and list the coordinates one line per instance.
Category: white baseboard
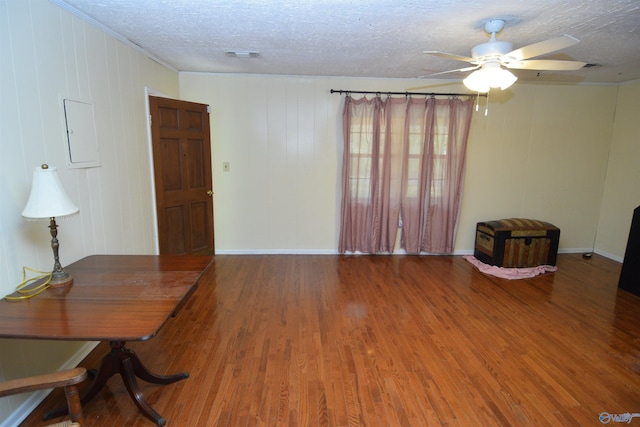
(277, 252)
(397, 252)
(610, 256)
(311, 252)
(32, 402)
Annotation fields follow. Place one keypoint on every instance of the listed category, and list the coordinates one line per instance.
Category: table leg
(130, 382)
(121, 360)
(144, 374)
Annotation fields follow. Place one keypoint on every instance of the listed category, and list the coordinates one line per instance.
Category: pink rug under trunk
(509, 273)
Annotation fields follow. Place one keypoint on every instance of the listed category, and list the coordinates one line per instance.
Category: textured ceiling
(375, 38)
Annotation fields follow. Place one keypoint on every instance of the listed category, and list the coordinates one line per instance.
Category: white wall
(622, 186)
(541, 152)
(279, 136)
(47, 54)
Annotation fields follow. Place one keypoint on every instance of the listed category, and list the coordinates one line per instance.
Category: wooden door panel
(168, 118)
(171, 164)
(197, 170)
(194, 120)
(175, 243)
(199, 226)
(182, 163)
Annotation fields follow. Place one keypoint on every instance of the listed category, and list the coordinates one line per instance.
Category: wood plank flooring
(305, 340)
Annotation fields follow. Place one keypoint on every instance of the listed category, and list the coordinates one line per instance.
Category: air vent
(242, 53)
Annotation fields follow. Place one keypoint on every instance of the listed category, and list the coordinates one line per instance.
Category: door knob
(209, 193)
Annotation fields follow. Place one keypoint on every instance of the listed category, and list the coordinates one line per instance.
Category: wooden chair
(68, 379)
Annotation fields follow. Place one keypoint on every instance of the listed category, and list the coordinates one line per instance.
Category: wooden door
(182, 168)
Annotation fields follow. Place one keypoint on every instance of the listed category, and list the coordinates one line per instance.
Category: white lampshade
(48, 198)
(490, 75)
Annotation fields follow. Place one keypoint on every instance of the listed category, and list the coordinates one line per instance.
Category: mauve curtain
(370, 169)
(395, 163)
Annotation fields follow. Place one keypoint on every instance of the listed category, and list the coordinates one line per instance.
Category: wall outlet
(226, 167)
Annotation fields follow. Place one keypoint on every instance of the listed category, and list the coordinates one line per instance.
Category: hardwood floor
(388, 341)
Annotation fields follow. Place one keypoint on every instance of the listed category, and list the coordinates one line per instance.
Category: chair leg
(73, 402)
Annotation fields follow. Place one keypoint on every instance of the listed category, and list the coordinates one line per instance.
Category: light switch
(226, 167)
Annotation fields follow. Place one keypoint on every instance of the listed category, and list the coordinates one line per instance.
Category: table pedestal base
(121, 360)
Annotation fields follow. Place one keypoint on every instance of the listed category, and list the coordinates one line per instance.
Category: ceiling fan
(491, 60)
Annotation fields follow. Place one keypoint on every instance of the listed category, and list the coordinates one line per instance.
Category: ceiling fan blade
(541, 48)
(459, 70)
(545, 64)
(449, 55)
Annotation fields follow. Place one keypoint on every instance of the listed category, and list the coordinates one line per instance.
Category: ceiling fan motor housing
(491, 49)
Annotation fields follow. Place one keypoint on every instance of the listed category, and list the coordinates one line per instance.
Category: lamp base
(61, 282)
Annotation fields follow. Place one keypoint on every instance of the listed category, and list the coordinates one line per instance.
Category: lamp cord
(31, 292)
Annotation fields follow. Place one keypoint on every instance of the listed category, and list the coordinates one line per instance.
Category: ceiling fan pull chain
(486, 106)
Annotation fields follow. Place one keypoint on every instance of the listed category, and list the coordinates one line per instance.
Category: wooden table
(115, 298)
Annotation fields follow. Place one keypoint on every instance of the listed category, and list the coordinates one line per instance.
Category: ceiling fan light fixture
(491, 75)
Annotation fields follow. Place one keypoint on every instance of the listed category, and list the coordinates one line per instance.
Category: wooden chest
(517, 242)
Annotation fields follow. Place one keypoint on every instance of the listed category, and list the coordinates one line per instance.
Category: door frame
(152, 177)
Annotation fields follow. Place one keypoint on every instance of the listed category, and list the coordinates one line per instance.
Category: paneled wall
(622, 186)
(279, 136)
(540, 152)
(47, 55)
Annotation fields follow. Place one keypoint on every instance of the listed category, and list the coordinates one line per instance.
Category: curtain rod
(472, 95)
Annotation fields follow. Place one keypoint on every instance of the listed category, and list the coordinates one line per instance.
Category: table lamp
(49, 200)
